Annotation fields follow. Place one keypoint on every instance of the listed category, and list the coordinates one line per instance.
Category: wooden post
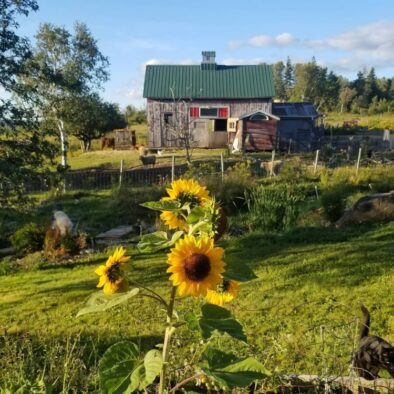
(222, 165)
(316, 161)
(272, 163)
(289, 150)
(173, 168)
(358, 160)
(121, 172)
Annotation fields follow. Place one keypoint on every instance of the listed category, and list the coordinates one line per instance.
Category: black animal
(146, 160)
(374, 353)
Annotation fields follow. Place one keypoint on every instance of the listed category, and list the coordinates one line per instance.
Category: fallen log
(337, 384)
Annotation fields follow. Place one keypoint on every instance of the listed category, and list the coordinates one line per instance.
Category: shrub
(28, 239)
(334, 201)
(274, 207)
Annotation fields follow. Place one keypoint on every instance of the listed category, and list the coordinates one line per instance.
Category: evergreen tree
(288, 77)
(278, 70)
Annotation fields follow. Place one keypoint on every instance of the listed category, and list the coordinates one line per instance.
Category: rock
(113, 236)
(373, 208)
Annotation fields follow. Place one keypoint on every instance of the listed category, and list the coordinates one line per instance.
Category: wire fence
(263, 164)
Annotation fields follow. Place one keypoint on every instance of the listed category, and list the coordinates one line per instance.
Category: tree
(288, 77)
(134, 115)
(278, 70)
(64, 65)
(346, 96)
(24, 152)
(87, 117)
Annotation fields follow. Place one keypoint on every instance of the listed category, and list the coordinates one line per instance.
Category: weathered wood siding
(204, 137)
(260, 134)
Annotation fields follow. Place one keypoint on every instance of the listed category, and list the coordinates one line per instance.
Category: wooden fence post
(272, 163)
(316, 161)
(121, 173)
(289, 150)
(222, 165)
(173, 168)
(358, 160)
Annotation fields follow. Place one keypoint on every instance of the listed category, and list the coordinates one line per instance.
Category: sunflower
(196, 265)
(112, 274)
(225, 292)
(186, 191)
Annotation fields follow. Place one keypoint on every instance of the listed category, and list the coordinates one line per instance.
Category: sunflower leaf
(151, 243)
(122, 369)
(146, 373)
(99, 302)
(116, 367)
(197, 214)
(240, 272)
(230, 371)
(214, 318)
(168, 205)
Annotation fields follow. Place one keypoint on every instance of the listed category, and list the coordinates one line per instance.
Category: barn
(206, 100)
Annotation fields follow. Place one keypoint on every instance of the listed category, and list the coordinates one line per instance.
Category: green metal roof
(217, 81)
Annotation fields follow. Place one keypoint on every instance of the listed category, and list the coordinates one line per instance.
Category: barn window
(214, 112)
(168, 118)
(209, 112)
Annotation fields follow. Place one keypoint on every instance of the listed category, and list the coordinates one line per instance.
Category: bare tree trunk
(63, 143)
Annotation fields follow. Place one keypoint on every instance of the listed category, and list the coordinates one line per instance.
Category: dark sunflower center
(197, 267)
(224, 286)
(190, 198)
(114, 273)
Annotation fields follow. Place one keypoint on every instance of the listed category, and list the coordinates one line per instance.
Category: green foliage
(230, 193)
(214, 318)
(168, 205)
(88, 117)
(151, 243)
(231, 372)
(334, 201)
(99, 302)
(274, 207)
(122, 369)
(28, 239)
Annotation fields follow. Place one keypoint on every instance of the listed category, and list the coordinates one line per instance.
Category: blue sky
(343, 35)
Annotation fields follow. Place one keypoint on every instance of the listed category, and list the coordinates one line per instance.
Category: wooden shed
(125, 139)
(298, 127)
(257, 131)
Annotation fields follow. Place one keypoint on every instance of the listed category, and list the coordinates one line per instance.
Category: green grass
(110, 159)
(299, 314)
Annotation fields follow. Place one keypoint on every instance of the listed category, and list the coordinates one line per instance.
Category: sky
(345, 35)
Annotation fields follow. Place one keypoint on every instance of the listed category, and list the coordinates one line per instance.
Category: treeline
(366, 94)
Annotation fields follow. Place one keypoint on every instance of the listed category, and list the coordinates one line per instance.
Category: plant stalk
(167, 339)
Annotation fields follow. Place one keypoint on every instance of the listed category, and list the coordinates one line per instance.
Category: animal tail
(364, 332)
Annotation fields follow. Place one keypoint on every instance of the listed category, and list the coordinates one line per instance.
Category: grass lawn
(111, 158)
(299, 314)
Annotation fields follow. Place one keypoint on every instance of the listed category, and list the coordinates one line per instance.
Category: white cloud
(368, 45)
(264, 40)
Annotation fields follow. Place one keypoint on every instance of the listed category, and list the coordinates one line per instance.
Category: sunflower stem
(167, 339)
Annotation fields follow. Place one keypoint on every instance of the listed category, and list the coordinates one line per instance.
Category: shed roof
(195, 81)
(295, 110)
(256, 113)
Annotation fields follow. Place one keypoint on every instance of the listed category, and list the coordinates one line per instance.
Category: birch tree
(64, 64)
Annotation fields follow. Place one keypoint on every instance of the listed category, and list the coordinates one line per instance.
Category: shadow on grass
(324, 255)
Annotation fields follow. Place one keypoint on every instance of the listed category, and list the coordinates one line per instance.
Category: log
(372, 208)
(352, 384)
